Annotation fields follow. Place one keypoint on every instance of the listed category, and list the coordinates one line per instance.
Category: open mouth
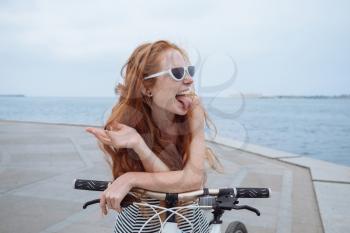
(187, 92)
(185, 97)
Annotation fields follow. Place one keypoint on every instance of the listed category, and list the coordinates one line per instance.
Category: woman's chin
(180, 110)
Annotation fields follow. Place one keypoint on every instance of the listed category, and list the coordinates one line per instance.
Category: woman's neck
(164, 120)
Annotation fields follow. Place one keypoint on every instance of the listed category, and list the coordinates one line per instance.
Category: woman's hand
(127, 137)
(197, 120)
(122, 136)
(115, 193)
(100, 134)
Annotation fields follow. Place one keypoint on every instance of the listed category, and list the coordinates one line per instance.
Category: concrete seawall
(39, 162)
(331, 182)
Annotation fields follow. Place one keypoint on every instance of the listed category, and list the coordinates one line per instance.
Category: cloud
(274, 43)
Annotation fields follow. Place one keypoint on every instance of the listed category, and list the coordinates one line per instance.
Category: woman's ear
(146, 92)
(143, 91)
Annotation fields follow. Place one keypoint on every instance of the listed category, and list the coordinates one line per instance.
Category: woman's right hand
(122, 136)
(100, 134)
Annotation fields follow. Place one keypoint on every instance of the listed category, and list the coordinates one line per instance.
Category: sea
(312, 127)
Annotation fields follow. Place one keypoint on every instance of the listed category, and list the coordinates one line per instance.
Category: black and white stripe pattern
(130, 220)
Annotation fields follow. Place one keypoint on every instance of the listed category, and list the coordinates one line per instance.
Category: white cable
(180, 207)
(152, 207)
(164, 210)
(184, 207)
(158, 214)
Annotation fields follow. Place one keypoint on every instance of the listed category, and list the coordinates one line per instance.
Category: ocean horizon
(313, 127)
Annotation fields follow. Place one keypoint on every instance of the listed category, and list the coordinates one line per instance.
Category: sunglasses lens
(178, 72)
(191, 70)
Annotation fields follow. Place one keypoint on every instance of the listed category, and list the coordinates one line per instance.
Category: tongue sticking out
(185, 100)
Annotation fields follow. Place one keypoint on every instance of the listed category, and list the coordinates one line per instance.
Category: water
(55, 109)
(319, 128)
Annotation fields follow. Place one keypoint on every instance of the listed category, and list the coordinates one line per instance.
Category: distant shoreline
(306, 97)
(18, 95)
(249, 96)
(257, 96)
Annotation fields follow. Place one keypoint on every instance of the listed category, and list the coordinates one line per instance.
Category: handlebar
(222, 198)
(239, 192)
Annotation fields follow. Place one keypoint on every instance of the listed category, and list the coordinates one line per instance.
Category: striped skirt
(132, 218)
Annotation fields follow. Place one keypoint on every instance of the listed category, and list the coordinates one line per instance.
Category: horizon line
(257, 95)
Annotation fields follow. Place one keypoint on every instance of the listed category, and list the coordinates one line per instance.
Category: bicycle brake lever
(247, 207)
(86, 204)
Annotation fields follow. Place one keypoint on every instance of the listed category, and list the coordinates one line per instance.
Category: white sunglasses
(177, 73)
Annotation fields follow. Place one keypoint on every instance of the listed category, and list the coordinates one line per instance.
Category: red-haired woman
(154, 137)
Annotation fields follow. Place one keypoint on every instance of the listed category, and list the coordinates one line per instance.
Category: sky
(272, 47)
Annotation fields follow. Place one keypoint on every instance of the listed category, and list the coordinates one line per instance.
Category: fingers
(100, 134)
(90, 130)
(120, 139)
(107, 201)
(103, 204)
(109, 135)
(96, 131)
(116, 126)
(114, 203)
(196, 100)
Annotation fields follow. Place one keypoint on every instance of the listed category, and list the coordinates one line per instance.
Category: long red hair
(133, 109)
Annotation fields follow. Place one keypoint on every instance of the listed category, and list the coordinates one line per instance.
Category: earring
(149, 94)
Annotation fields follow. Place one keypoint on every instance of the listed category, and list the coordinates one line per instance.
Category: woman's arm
(188, 179)
(191, 177)
(127, 137)
(150, 160)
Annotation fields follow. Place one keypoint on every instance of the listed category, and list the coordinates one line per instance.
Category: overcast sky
(76, 48)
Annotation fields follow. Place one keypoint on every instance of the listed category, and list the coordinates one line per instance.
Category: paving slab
(32, 214)
(333, 199)
(322, 170)
(245, 146)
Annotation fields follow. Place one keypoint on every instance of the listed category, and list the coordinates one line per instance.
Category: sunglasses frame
(171, 73)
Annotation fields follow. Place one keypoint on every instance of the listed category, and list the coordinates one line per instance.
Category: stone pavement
(38, 163)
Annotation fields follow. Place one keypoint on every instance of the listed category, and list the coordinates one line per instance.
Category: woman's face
(168, 94)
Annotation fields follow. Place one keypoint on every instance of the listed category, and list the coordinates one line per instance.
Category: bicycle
(219, 200)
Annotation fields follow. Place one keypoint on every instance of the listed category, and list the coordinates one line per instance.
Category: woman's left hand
(115, 193)
(197, 120)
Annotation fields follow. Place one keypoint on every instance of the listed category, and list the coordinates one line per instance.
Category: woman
(154, 137)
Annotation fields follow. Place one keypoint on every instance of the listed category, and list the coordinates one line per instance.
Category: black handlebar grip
(253, 192)
(92, 185)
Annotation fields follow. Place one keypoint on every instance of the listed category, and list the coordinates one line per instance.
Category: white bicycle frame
(171, 227)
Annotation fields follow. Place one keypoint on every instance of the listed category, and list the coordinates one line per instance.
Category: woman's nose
(188, 79)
